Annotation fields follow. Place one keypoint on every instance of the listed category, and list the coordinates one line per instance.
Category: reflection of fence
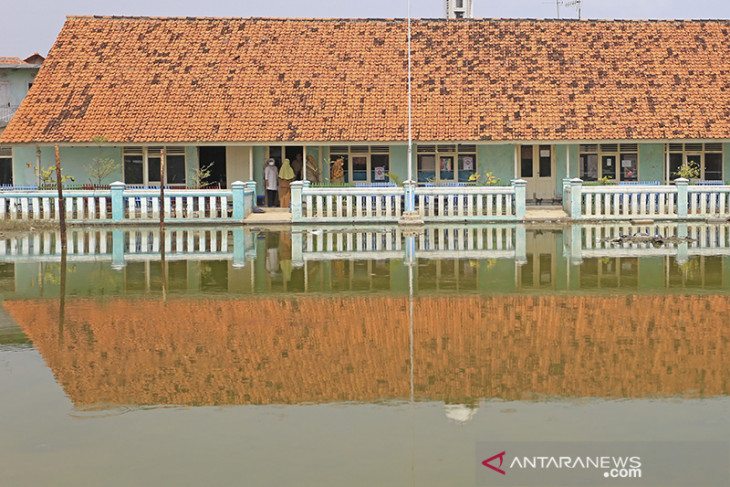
(387, 204)
(121, 245)
(119, 204)
(505, 241)
(672, 202)
(595, 241)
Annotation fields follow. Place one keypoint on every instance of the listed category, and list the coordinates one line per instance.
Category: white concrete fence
(386, 204)
(119, 204)
(679, 201)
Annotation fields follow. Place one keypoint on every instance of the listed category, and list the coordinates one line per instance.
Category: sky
(32, 25)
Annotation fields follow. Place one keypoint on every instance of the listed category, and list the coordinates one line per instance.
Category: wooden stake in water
(61, 205)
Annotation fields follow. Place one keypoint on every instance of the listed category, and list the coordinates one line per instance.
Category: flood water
(341, 357)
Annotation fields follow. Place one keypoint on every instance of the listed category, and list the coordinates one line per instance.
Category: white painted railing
(119, 204)
(625, 202)
(321, 205)
(178, 204)
(433, 204)
(708, 200)
(43, 205)
(670, 202)
(470, 203)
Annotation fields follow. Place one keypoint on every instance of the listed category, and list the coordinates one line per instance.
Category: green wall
(73, 162)
(497, 159)
(560, 171)
(726, 163)
(18, 80)
(399, 161)
(651, 162)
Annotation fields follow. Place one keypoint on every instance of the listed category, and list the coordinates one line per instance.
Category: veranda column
(238, 189)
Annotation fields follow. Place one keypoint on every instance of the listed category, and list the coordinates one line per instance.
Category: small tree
(47, 175)
(689, 170)
(199, 177)
(100, 167)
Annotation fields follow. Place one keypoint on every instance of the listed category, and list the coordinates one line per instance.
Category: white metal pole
(410, 134)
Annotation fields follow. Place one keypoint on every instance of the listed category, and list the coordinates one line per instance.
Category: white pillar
(250, 163)
(567, 161)
(304, 157)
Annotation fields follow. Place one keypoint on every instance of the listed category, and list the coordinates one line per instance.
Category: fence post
(520, 244)
(682, 199)
(238, 188)
(410, 195)
(576, 194)
(682, 247)
(117, 249)
(566, 202)
(296, 201)
(520, 195)
(239, 248)
(252, 186)
(117, 190)
(576, 244)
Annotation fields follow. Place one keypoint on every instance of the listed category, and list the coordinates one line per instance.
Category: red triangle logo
(496, 469)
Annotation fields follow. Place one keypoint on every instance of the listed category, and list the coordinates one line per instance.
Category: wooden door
(537, 167)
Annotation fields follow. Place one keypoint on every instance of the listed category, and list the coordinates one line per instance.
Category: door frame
(537, 186)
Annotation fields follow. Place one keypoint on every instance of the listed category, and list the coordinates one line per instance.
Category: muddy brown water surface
(337, 357)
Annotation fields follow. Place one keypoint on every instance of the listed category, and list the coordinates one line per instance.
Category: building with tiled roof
(16, 78)
(535, 99)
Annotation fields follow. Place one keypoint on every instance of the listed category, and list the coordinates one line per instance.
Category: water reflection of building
(465, 259)
(335, 349)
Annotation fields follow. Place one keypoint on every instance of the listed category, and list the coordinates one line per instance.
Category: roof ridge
(387, 19)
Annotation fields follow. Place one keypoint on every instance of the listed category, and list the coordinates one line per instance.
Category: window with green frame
(446, 162)
(707, 157)
(616, 162)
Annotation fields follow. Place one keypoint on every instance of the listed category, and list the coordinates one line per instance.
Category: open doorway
(295, 156)
(215, 158)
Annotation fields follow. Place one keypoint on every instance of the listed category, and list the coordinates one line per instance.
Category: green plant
(607, 180)
(489, 179)
(100, 167)
(198, 177)
(46, 175)
(395, 179)
(688, 170)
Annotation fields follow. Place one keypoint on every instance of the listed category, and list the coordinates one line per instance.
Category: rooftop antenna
(567, 3)
(574, 3)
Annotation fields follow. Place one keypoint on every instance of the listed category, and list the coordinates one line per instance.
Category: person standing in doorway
(297, 165)
(286, 176)
(271, 175)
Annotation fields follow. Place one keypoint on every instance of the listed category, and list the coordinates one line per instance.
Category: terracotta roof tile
(11, 60)
(217, 80)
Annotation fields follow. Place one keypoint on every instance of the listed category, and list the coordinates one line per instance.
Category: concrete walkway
(270, 216)
(545, 213)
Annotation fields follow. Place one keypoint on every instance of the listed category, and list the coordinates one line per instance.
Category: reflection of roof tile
(294, 350)
(212, 80)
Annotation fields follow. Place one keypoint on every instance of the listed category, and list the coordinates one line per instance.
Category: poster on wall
(380, 173)
(446, 164)
(468, 163)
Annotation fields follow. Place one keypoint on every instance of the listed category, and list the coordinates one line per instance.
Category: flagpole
(410, 135)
